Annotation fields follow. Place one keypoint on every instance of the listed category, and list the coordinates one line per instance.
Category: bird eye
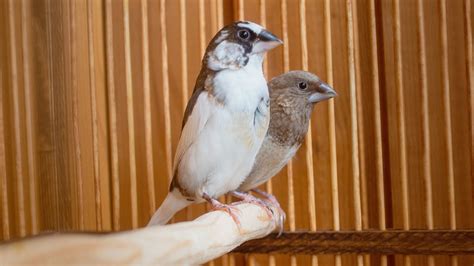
(302, 85)
(243, 34)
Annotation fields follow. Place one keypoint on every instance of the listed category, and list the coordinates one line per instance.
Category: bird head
(299, 89)
(237, 44)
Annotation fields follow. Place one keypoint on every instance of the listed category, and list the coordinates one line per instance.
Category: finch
(292, 99)
(225, 121)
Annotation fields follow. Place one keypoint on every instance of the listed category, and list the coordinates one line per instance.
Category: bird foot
(218, 206)
(271, 200)
(248, 198)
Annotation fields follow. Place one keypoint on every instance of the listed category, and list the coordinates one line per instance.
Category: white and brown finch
(292, 98)
(225, 120)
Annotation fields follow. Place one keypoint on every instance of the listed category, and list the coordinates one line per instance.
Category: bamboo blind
(93, 93)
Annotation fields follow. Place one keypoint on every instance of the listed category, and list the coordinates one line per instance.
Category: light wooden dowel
(28, 90)
(18, 162)
(95, 115)
(113, 117)
(166, 89)
(147, 109)
(130, 114)
(188, 243)
(377, 124)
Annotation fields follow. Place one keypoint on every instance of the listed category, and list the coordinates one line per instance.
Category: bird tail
(173, 203)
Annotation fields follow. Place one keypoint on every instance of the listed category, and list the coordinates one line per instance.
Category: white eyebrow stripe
(252, 26)
(222, 36)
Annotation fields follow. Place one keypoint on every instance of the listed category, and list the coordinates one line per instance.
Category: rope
(419, 242)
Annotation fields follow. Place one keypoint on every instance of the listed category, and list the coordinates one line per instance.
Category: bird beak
(324, 92)
(266, 41)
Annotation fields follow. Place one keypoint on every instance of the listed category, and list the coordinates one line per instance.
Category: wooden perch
(209, 236)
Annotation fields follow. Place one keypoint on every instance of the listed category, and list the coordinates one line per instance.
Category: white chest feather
(242, 88)
(224, 138)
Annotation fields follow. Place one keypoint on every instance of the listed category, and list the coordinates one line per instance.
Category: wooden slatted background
(93, 93)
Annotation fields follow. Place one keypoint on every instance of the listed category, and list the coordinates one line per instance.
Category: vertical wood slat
(447, 117)
(401, 119)
(470, 71)
(354, 118)
(220, 13)
(147, 111)
(95, 125)
(51, 191)
(130, 116)
(268, 186)
(166, 94)
(309, 138)
(377, 124)
(98, 22)
(184, 65)
(375, 77)
(401, 112)
(425, 122)
(202, 44)
(447, 112)
(354, 104)
(17, 126)
(113, 117)
(309, 135)
(332, 122)
(202, 27)
(75, 103)
(240, 10)
(29, 119)
(286, 68)
(184, 51)
(3, 167)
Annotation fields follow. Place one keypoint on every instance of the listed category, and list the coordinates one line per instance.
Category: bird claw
(273, 201)
(248, 198)
(231, 210)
